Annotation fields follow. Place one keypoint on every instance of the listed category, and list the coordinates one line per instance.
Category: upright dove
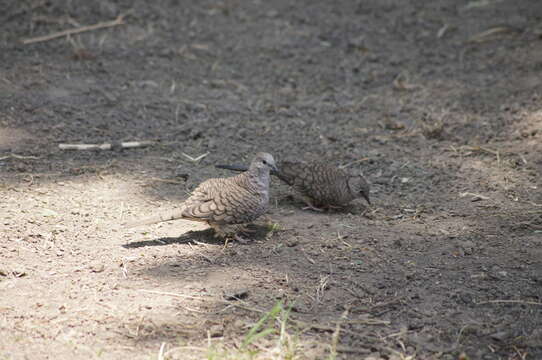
(320, 185)
(226, 203)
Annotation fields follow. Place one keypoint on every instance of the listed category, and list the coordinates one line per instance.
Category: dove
(320, 185)
(225, 203)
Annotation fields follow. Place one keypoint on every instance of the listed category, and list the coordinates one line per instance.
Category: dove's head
(263, 161)
(359, 187)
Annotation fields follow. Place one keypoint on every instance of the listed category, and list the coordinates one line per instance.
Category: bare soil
(443, 117)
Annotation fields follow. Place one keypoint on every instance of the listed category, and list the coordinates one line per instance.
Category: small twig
(196, 159)
(84, 147)
(509, 302)
(200, 243)
(106, 146)
(121, 210)
(521, 356)
(161, 352)
(118, 21)
(442, 31)
(167, 181)
(207, 312)
(486, 150)
(187, 347)
(210, 260)
(124, 270)
(196, 310)
(21, 157)
(307, 257)
(321, 288)
(475, 196)
(386, 303)
(367, 322)
(354, 162)
(490, 33)
(351, 350)
(456, 344)
(175, 294)
(480, 148)
(135, 144)
(401, 83)
(336, 333)
(321, 327)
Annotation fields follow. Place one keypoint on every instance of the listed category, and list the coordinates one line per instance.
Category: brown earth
(444, 118)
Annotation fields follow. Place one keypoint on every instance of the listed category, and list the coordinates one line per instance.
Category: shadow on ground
(437, 106)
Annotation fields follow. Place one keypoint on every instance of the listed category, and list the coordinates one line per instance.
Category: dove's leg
(230, 232)
(308, 201)
(334, 207)
(245, 229)
(241, 239)
(219, 230)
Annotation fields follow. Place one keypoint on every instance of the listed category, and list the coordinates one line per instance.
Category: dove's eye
(265, 162)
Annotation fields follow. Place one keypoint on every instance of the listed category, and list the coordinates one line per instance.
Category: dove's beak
(366, 197)
(274, 169)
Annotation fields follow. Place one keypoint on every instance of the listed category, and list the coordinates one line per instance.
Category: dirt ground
(437, 102)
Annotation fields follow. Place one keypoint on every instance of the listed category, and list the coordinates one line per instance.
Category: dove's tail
(233, 167)
(161, 217)
(239, 168)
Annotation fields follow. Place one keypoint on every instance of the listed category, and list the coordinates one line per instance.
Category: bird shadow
(354, 208)
(207, 236)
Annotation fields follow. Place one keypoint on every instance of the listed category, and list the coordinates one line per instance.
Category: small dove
(225, 202)
(320, 185)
